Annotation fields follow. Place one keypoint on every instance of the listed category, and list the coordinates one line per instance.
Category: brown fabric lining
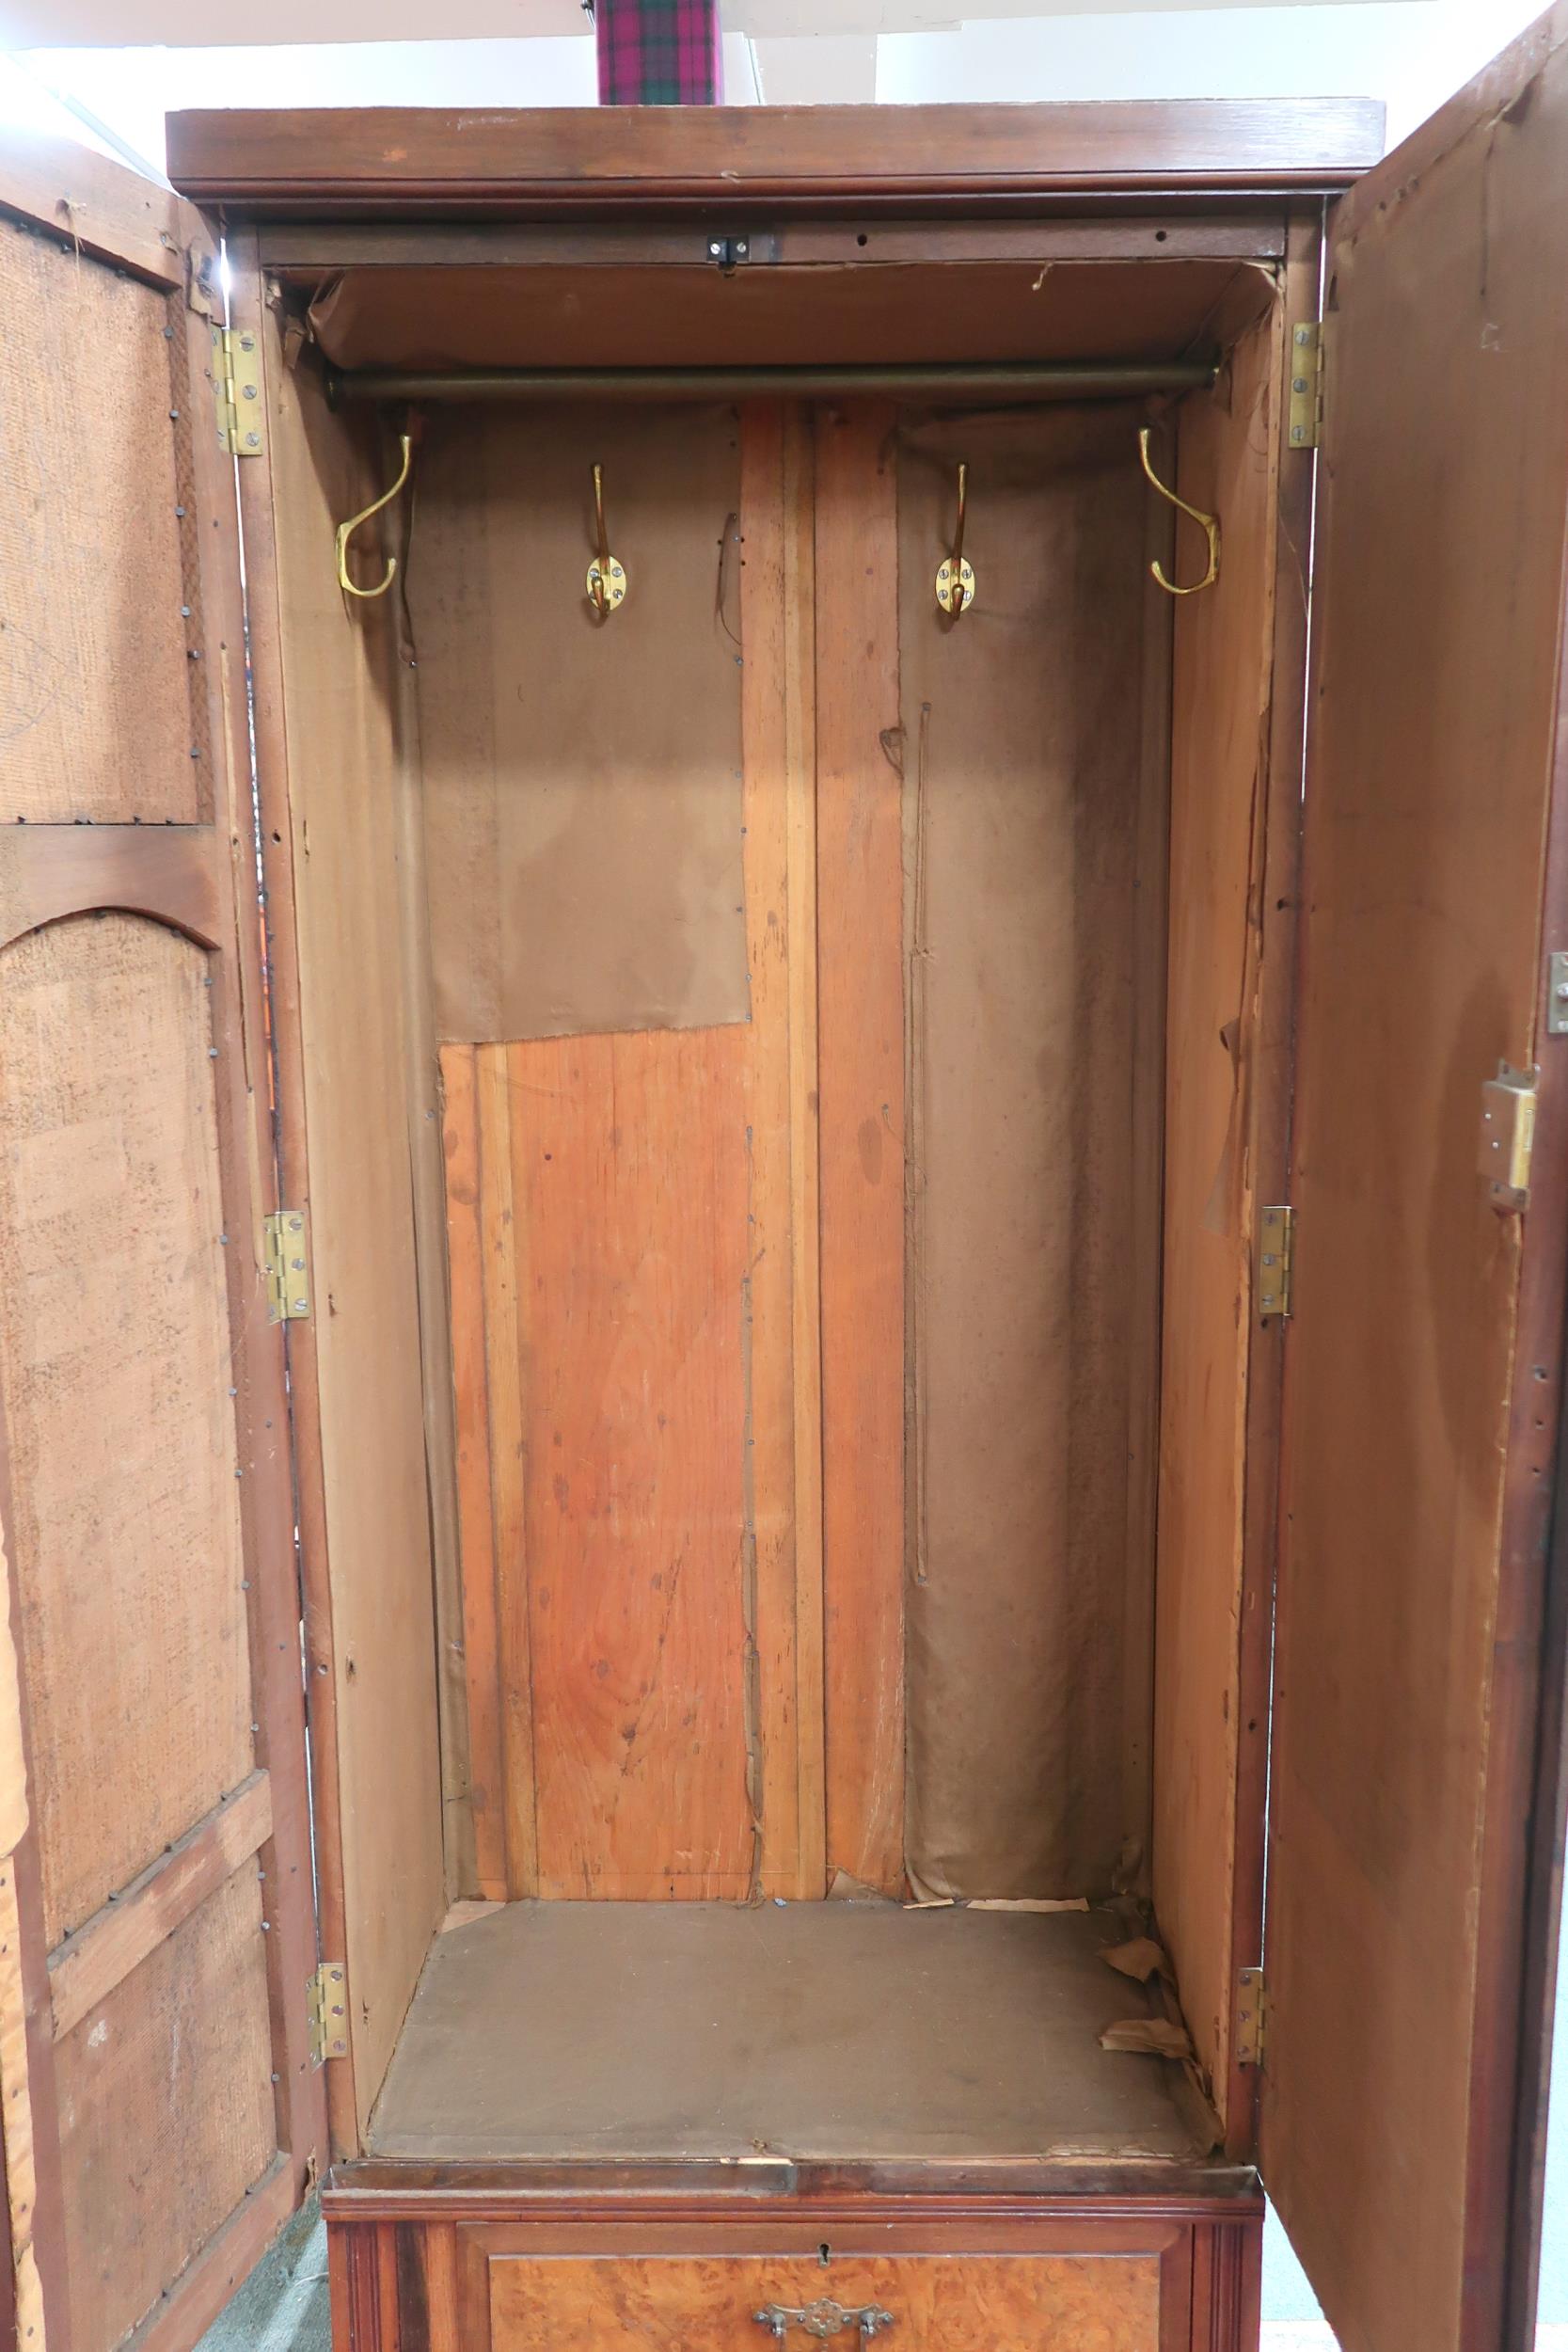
(560, 317)
(582, 779)
(1021, 761)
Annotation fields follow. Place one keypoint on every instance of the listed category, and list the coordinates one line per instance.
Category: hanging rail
(1014, 379)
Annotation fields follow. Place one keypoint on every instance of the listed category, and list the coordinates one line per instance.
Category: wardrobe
(784, 1154)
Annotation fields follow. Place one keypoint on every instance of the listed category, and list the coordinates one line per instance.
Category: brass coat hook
(1210, 524)
(346, 530)
(955, 578)
(607, 578)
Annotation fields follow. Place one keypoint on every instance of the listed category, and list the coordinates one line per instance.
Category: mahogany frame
(307, 192)
(419, 2281)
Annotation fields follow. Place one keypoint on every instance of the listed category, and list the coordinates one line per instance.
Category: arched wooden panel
(167, 871)
(114, 1366)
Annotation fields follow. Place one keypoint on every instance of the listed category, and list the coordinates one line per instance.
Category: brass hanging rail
(1010, 379)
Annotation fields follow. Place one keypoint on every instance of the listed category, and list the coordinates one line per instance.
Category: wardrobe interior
(774, 1097)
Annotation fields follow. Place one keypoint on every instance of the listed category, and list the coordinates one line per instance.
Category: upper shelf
(566, 162)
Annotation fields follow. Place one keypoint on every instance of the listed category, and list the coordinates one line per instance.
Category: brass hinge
(288, 1276)
(1276, 1246)
(1507, 1135)
(1305, 421)
(1252, 2011)
(237, 390)
(326, 1994)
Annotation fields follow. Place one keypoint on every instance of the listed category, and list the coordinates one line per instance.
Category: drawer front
(914, 2303)
(1146, 2278)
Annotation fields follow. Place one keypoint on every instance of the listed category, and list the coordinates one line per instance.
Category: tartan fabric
(657, 53)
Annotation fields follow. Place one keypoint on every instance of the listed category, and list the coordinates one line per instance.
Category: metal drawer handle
(826, 2319)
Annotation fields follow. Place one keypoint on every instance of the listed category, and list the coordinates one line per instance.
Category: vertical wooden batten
(799, 690)
(861, 1029)
(1152, 895)
(1282, 747)
(257, 501)
(784, 1351)
(504, 1341)
(465, 1284)
(430, 1256)
(1228, 453)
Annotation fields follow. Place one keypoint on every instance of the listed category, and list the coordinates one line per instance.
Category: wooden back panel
(630, 1225)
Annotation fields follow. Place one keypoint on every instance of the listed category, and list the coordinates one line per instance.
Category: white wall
(1411, 54)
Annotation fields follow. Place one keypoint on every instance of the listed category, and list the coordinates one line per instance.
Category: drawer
(1049, 2302)
(857, 2278)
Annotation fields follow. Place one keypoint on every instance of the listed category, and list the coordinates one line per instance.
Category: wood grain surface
(622, 1345)
(631, 1233)
(1057, 2302)
(387, 160)
(1398, 1781)
(1227, 448)
(329, 770)
(861, 1024)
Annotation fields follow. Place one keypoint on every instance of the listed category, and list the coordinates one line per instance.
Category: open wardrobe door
(1424, 1355)
(162, 2105)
